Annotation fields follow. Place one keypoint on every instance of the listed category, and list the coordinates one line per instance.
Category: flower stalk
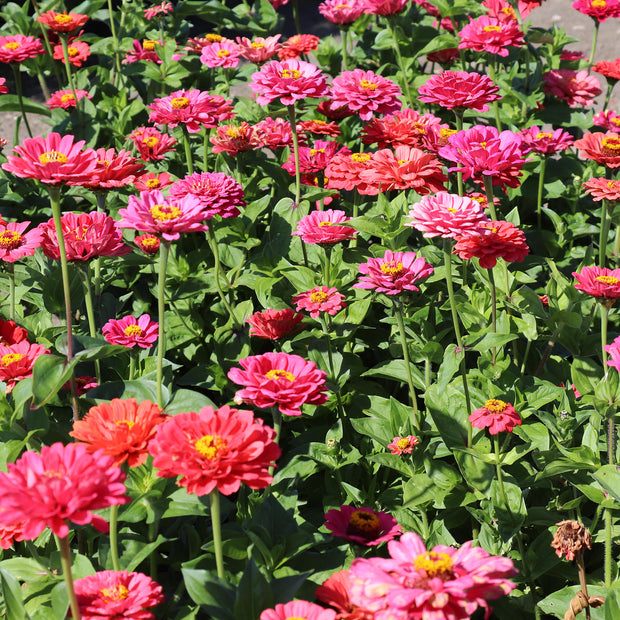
(398, 312)
(541, 187)
(161, 308)
(214, 497)
(65, 560)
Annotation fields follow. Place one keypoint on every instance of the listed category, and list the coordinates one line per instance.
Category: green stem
(188, 151)
(132, 365)
(327, 258)
(500, 478)
(293, 121)
(117, 61)
(10, 269)
(114, 537)
(20, 95)
(604, 321)
(90, 312)
(610, 87)
(356, 199)
(101, 197)
(488, 188)
(398, 311)
(161, 308)
(491, 64)
(65, 560)
(541, 187)
(345, 52)
(611, 452)
(218, 274)
(325, 323)
(594, 40)
(401, 64)
(70, 81)
(525, 356)
(604, 234)
(493, 309)
(214, 496)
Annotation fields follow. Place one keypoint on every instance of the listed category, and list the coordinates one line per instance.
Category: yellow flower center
(165, 213)
(63, 18)
(446, 132)
(451, 209)
(402, 443)
(290, 73)
(491, 28)
(276, 373)
(151, 141)
(368, 85)
(211, 446)
(607, 279)
(599, 3)
(360, 158)
(213, 37)
(483, 145)
(615, 121)
(364, 521)
(52, 157)
(150, 242)
(508, 10)
(543, 134)
(133, 330)
(434, 564)
(233, 132)
(128, 423)
(313, 152)
(67, 97)
(11, 45)
(223, 53)
(148, 45)
(115, 593)
(179, 103)
(257, 45)
(495, 406)
(152, 183)
(318, 297)
(10, 358)
(72, 51)
(392, 268)
(611, 146)
(9, 239)
(402, 161)
(611, 184)
(326, 223)
(342, 6)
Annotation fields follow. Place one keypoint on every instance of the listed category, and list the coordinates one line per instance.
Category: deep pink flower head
(17, 48)
(131, 331)
(460, 89)
(447, 215)
(298, 610)
(194, 108)
(341, 12)
(602, 189)
(499, 9)
(384, 7)
(86, 236)
(65, 99)
(279, 379)
(577, 88)
(288, 81)
(150, 143)
(63, 483)
(53, 159)
(394, 273)
(324, 227)
(487, 34)
(159, 10)
(113, 170)
(599, 10)
(320, 299)
(403, 445)
(223, 54)
(144, 50)
(17, 361)
(3, 87)
(149, 244)
(546, 142)
(275, 133)
(496, 415)
(274, 324)
(15, 243)
(366, 93)
(259, 49)
(276, 4)
(110, 594)
(599, 282)
(364, 526)
(608, 119)
(614, 353)
(215, 449)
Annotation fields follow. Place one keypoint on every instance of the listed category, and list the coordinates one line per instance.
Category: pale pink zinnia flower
(131, 331)
(301, 610)
(15, 243)
(364, 526)
(577, 88)
(159, 10)
(259, 49)
(320, 299)
(341, 11)
(487, 34)
(65, 99)
(225, 54)
(602, 189)
(324, 227)
(460, 89)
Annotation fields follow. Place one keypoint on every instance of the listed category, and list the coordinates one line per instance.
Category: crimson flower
(364, 526)
(599, 10)
(496, 415)
(149, 244)
(259, 49)
(17, 48)
(113, 170)
(65, 99)
(603, 189)
(151, 144)
(320, 299)
(62, 22)
(403, 445)
(460, 90)
(215, 449)
(131, 331)
(444, 57)
(487, 34)
(600, 282)
(384, 7)
(3, 87)
(143, 51)
(298, 610)
(11, 333)
(609, 68)
(324, 227)
(77, 52)
(603, 148)
(614, 353)
(17, 361)
(15, 243)
(297, 45)
(577, 88)
(274, 324)
(275, 133)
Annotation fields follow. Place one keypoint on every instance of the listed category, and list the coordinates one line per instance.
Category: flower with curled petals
(151, 144)
(600, 282)
(131, 331)
(546, 142)
(276, 133)
(324, 227)
(603, 148)
(487, 34)
(259, 49)
(315, 158)
(274, 324)
(405, 128)
(609, 68)
(496, 415)
(17, 361)
(603, 189)
(341, 12)
(65, 99)
(460, 90)
(599, 10)
(17, 48)
(158, 11)
(320, 128)
(113, 170)
(364, 526)
(393, 273)
(62, 22)
(234, 139)
(152, 180)
(15, 243)
(297, 45)
(577, 88)
(320, 299)
(279, 379)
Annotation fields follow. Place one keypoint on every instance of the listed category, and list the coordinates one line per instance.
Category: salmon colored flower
(86, 236)
(110, 595)
(274, 324)
(608, 120)
(341, 12)
(196, 44)
(609, 68)
(279, 379)
(121, 429)
(405, 128)
(15, 243)
(364, 526)
(149, 244)
(499, 9)
(599, 10)
(131, 331)
(546, 142)
(297, 45)
(234, 139)
(603, 148)
(17, 48)
(496, 415)
(320, 299)
(460, 90)
(320, 128)
(298, 610)
(403, 445)
(599, 282)
(335, 592)
(225, 54)
(17, 361)
(324, 227)
(602, 189)
(152, 180)
(215, 449)
(159, 10)
(384, 7)
(487, 34)
(62, 484)
(52, 160)
(151, 144)
(344, 171)
(65, 99)
(577, 88)
(77, 52)
(259, 49)
(394, 273)
(11, 333)
(62, 22)
(113, 170)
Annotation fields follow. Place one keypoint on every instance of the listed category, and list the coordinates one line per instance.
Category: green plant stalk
(604, 233)
(356, 199)
(293, 121)
(214, 497)
(458, 114)
(161, 309)
(401, 64)
(327, 266)
(132, 365)
(188, 151)
(20, 95)
(218, 275)
(90, 312)
(10, 269)
(541, 187)
(70, 81)
(65, 560)
(101, 197)
(488, 188)
(493, 310)
(491, 64)
(117, 62)
(114, 537)
(48, 49)
(344, 32)
(597, 25)
(500, 478)
(611, 454)
(610, 86)
(398, 311)
(326, 325)
(296, 17)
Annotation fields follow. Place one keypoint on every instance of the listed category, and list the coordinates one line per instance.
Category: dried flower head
(571, 538)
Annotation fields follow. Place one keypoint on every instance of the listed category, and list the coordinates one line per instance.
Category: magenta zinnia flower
(324, 227)
(131, 331)
(599, 10)
(364, 526)
(224, 53)
(341, 13)
(150, 143)
(577, 88)
(496, 415)
(384, 7)
(320, 299)
(17, 361)
(15, 244)
(614, 353)
(487, 34)
(599, 282)
(17, 48)
(259, 49)
(608, 120)
(460, 89)
(274, 324)
(546, 142)
(279, 379)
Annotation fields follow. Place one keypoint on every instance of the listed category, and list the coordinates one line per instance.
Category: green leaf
(253, 593)
(612, 603)
(205, 589)
(49, 374)
(12, 596)
(419, 490)
(558, 603)
(10, 103)
(608, 477)
(396, 370)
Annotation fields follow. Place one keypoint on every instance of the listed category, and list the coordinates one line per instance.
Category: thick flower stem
(500, 477)
(10, 270)
(218, 274)
(188, 151)
(65, 560)
(611, 454)
(495, 104)
(398, 311)
(344, 32)
(161, 308)
(20, 96)
(488, 188)
(327, 270)
(214, 496)
(101, 198)
(401, 64)
(293, 121)
(90, 312)
(114, 537)
(541, 187)
(610, 87)
(326, 325)
(296, 16)
(597, 25)
(604, 233)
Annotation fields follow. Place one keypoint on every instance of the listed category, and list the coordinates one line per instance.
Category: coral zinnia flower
(15, 244)
(487, 34)
(112, 594)
(63, 483)
(152, 180)
(405, 128)
(151, 144)
(320, 299)
(341, 13)
(324, 227)
(546, 142)
(577, 88)
(149, 244)
(384, 7)
(496, 415)
(17, 48)
(298, 610)
(131, 331)
(11, 333)
(603, 148)
(364, 526)
(62, 22)
(234, 139)
(608, 120)
(215, 449)
(274, 324)
(320, 128)
(344, 172)
(297, 45)
(17, 361)
(279, 379)
(65, 99)
(599, 282)
(77, 52)
(52, 160)
(159, 10)
(460, 89)
(121, 429)
(394, 273)
(609, 68)
(335, 592)
(403, 445)
(113, 170)
(602, 189)
(599, 10)
(223, 54)
(86, 236)
(259, 49)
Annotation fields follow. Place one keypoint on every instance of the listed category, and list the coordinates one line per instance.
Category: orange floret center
(492, 29)
(392, 268)
(360, 158)
(434, 564)
(73, 51)
(11, 45)
(148, 45)
(179, 103)
(277, 373)
(133, 330)
(607, 279)
(165, 213)
(152, 183)
(290, 73)
(495, 406)
(115, 593)
(257, 45)
(63, 18)
(10, 358)
(446, 132)
(368, 85)
(67, 97)
(364, 521)
(52, 157)
(318, 297)
(615, 121)
(211, 446)
(9, 239)
(151, 141)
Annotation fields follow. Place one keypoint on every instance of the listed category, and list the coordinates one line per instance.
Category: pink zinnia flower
(366, 93)
(599, 10)
(297, 45)
(607, 119)
(447, 215)
(17, 48)
(577, 88)
(234, 139)
(496, 415)
(320, 299)
(65, 99)
(275, 133)
(315, 158)
(319, 127)
(144, 50)
(487, 34)
(364, 526)
(3, 87)
(17, 361)
(110, 594)
(289, 81)
(344, 171)
(546, 142)
(614, 353)
(384, 7)
(394, 273)
(499, 9)
(215, 449)
(63, 483)
(53, 160)
(603, 148)
(405, 128)
(62, 22)
(151, 144)
(159, 10)
(131, 331)
(274, 324)
(225, 54)
(599, 282)
(276, 4)
(77, 52)
(259, 49)
(113, 170)
(194, 108)
(149, 244)
(82, 384)
(602, 189)
(460, 89)
(324, 227)
(335, 592)
(168, 217)
(15, 244)
(279, 379)
(573, 56)
(298, 610)
(341, 12)
(152, 180)
(403, 445)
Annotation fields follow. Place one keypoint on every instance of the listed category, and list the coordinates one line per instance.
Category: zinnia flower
(63, 483)
(234, 139)
(152, 180)
(609, 68)
(113, 170)
(151, 144)
(335, 592)
(121, 429)
(17, 361)
(403, 445)
(324, 227)
(113, 595)
(608, 120)
(599, 282)
(405, 128)
(364, 526)
(496, 415)
(599, 10)
(603, 148)
(577, 88)
(344, 172)
(149, 244)
(17, 48)
(602, 189)
(546, 142)
(223, 54)
(11, 333)
(15, 243)
(341, 12)
(384, 7)
(259, 49)
(321, 128)
(159, 10)
(279, 379)
(62, 22)
(614, 353)
(3, 87)
(144, 50)
(461, 90)
(77, 52)
(487, 34)
(65, 99)
(320, 299)
(298, 610)
(571, 538)
(314, 159)
(394, 273)
(131, 331)
(297, 45)
(274, 324)
(215, 449)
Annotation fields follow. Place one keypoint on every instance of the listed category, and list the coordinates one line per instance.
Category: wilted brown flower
(571, 538)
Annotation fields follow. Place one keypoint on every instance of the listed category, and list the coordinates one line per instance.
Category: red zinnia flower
(577, 88)
(608, 120)
(320, 128)
(599, 282)
(609, 68)
(151, 144)
(546, 142)
(394, 273)
(314, 159)
(341, 12)
(279, 379)
(573, 56)
(460, 89)
(335, 592)
(62, 22)
(405, 128)
(274, 133)
(384, 7)
(496, 415)
(113, 170)
(121, 429)
(599, 10)
(344, 172)
(152, 180)
(11, 333)
(215, 449)
(130, 331)
(403, 445)
(298, 610)
(603, 148)
(234, 139)
(14, 244)
(487, 34)
(362, 525)
(223, 54)
(603, 189)
(444, 57)
(77, 52)
(65, 99)
(320, 299)
(149, 244)
(274, 324)
(297, 45)
(324, 227)
(17, 48)
(109, 595)
(276, 4)
(17, 361)
(333, 112)
(259, 49)
(63, 483)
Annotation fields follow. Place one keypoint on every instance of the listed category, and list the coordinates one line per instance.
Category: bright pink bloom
(149, 244)
(609, 120)
(151, 144)
(274, 324)
(15, 244)
(333, 112)
(526, 6)
(215, 449)
(344, 171)
(168, 217)
(444, 57)
(599, 10)
(320, 299)
(496, 415)
(62, 22)
(364, 526)
(297, 45)
(603, 148)
(499, 9)
(274, 133)
(65, 99)
(159, 10)
(384, 7)
(546, 142)
(335, 592)
(602, 189)
(312, 160)
(394, 273)
(487, 34)
(405, 128)
(577, 88)
(289, 81)
(324, 227)
(599, 282)
(259, 49)
(194, 108)
(129, 331)
(234, 139)
(403, 445)
(17, 48)
(223, 54)
(17, 361)
(298, 610)
(614, 353)
(113, 170)
(573, 56)
(63, 483)
(144, 50)
(461, 90)
(279, 379)
(82, 384)
(3, 87)
(341, 12)
(276, 4)
(152, 180)
(52, 160)
(77, 52)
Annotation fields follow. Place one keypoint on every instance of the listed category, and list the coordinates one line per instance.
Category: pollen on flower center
(491, 28)
(10, 239)
(313, 152)
(446, 132)
(11, 45)
(165, 213)
(318, 297)
(495, 406)
(326, 223)
(128, 423)
(67, 97)
(211, 446)
(148, 45)
(62, 18)
(257, 45)
(290, 73)
(233, 132)
(543, 134)
(10, 358)
(73, 51)
(403, 443)
(360, 158)
(276, 373)
(133, 330)
(434, 564)
(152, 183)
(607, 279)
(343, 6)
(451, 209)
(368, 85)
(616, 120)
(151, 141)
(599, 3)
(213, 37)
(223, 53)
(364, 521)
(51, 157)
(150, 242)
(392, 268)
(115, 593)
(179, 103)
(611, 146)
